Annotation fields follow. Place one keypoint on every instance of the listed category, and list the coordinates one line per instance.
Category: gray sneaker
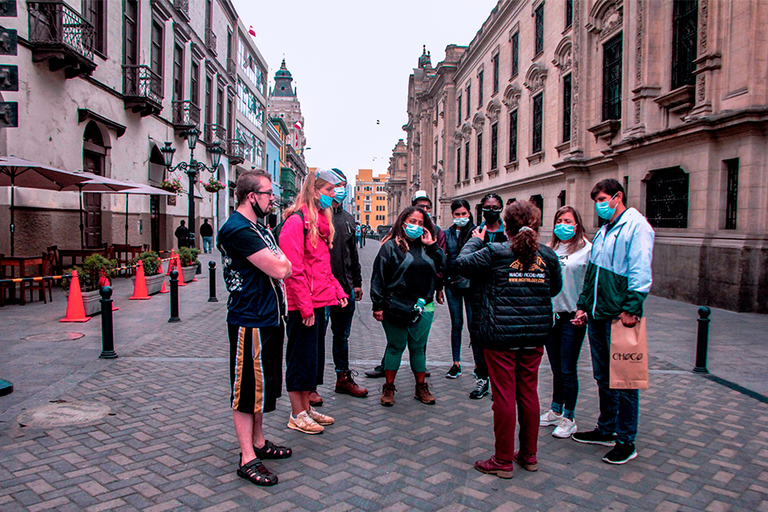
(481, 389)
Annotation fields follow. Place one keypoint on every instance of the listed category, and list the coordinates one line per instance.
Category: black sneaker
(376, 373)
(480, 391)
(454, 372)
(621, 453)
(595, 437)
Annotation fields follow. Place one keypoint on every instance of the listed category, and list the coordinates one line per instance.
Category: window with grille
(494, 146)
(496, 73)
(466, 161)
(538, 118)
(479, 154)
(731, 193)
(515, 53)
(566, 108)
(612, 78)
(513, 136)
(685, 17)
(480, 89)
(539, 41)
(666, 204)
(458, 164)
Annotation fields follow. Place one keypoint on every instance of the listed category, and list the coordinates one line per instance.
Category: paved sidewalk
(167, 442)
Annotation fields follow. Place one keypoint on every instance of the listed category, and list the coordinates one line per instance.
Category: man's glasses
(264, 193)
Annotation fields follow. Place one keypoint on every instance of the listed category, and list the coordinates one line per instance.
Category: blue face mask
(461, 221)
(325, 201)
(413, 231)
(341, 194)
(564, 231)
(604, 211)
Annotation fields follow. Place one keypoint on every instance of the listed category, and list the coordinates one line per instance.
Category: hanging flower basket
(213, 185)
(172, 185)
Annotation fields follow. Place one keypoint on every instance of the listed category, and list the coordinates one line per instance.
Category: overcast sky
(350, 60)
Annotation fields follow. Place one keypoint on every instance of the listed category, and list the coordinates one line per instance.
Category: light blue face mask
(604, 211)
(413, 231)
(341, 194)
(461, 221)
(564, 231)
(325, 201)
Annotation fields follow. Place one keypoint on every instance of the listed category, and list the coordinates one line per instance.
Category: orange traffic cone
(140, 284)
(172, 263)
(160, 266)
(164, 289)
(181, 274)
(75, 308)
(105, 281)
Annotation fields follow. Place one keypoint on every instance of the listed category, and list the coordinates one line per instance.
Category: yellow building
(370, 198)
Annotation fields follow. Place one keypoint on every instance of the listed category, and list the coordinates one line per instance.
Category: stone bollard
(702, 340)
(174, 296)
(107, 329)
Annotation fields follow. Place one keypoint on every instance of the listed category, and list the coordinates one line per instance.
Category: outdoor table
(78, 254)
(125, 253)
(25, 264)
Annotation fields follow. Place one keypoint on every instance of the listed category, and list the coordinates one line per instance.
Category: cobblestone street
(168, 442)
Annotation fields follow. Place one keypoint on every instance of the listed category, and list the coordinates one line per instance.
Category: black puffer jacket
(517, 309)
(345, 262)
(453, 243)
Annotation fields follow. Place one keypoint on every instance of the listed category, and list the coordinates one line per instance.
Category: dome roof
(283, 72)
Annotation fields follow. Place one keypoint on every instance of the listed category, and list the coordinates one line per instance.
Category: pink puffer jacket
(311, 284)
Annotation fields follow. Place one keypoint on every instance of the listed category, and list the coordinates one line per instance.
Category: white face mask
(461, 221)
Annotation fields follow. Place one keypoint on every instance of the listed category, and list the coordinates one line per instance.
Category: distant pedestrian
(182, 235)
(253, 269)
(402, 289)
(617, 282)
(305, 238)
(564, 344)
(345, 264)
(206, 232)
(363, 234)
(519, 279)
(456, 286)
(358, 234)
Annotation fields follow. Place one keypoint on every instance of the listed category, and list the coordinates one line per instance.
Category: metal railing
(56, 23)
(182, 6)
(141, 82)
(210, 40)
(215, 133)
(236, 151)
(185, 114)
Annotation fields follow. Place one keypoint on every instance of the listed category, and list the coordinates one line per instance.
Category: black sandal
(272, 451)
(257, 473)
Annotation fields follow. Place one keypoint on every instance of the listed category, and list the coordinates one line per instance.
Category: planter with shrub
(89, 274)
(150, 262)
(189, 262)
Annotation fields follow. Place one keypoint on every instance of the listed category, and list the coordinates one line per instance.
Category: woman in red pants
(518, 278)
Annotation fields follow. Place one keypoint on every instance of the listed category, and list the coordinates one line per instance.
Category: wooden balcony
(215, 133)
(59, 35)
(236, 151)
(186, 115)
(142, 90)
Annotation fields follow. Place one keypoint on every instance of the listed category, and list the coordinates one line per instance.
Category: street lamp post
(192, 169)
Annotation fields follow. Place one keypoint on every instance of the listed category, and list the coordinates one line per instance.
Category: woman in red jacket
(305, 239)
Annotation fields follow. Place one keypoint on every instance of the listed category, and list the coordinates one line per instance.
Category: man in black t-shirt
(182, 234)
(254, 268)
(206, 233)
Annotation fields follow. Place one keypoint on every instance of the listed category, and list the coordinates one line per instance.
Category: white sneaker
(565, 428)
(549, 418)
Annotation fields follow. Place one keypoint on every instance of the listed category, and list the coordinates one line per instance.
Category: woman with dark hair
(456, 286)
(491, 229)
(518, 280)
(564, 344)
(402, 289)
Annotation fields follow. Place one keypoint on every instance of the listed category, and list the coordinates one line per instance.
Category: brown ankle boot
(315, 400)
(388, 395)
(423, 394)
(346, 385)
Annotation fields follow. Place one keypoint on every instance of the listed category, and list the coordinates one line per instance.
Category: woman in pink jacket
(305, 239)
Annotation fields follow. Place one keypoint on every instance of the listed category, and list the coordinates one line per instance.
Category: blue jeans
(341, 324)
(207, 243)
(563, 349)
(619, 408)
(455, 299)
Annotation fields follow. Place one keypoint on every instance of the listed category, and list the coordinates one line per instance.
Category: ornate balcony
(186, 115)
(143, 90)
(182, 6)
(59, 35)
(210, 40)
(236, 151)
(215, 133)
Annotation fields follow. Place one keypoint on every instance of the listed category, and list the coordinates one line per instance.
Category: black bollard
(174, 296)
(702, 340)
(107, 330)
(212, 281)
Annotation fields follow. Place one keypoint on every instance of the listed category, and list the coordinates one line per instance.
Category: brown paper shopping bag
(629, 356)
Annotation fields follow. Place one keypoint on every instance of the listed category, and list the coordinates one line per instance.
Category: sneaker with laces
(595, 437)
(621, 453)
(481, 389)
(454, 372)
(303, 423)
(550, 418)
(565, 429)
(388, 395)
(423, 395)
(320, 419)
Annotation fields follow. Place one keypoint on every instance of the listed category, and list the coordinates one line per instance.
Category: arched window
(666, 203)
(156, 167)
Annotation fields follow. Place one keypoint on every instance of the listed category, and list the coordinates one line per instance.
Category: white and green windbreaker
(619, 272)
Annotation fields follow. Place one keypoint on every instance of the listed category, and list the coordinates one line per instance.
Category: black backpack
(277, 229)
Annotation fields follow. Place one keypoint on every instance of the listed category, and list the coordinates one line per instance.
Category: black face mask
(260, 214)
(491, 216)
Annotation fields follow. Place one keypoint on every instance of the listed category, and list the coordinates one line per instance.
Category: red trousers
(514, 379)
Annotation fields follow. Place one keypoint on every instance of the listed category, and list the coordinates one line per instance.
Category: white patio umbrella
(18, 172)
(138, 189)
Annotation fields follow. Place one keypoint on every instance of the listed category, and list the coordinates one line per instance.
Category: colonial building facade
(107, 92)
(371, 198)
(397, 185)
(551, 97)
